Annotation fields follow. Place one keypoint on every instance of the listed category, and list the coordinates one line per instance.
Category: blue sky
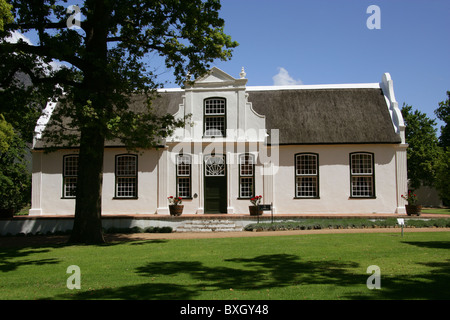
(327, 41)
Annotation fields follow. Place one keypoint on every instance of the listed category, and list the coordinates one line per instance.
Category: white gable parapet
(387, 85)
(216, 78)
(243, 124)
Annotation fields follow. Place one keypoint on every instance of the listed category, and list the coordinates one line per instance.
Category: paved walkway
(208, 235)
(27, 241)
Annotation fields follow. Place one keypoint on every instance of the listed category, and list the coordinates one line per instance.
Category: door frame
(225, 178)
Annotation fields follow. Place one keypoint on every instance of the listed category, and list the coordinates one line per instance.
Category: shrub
(316, 224)
(15, 180)
(139, 230)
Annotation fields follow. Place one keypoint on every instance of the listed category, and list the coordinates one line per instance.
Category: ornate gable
(216, 78)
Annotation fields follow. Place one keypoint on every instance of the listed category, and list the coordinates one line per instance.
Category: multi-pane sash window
(306, 175)
(246, 175)
(126, 176)
(184, 168)
(70, 176)
(362, 175)
(214, 117)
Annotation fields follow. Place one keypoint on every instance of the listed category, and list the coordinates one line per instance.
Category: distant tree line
(429, 153)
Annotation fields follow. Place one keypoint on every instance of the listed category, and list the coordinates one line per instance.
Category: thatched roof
(306, 116)
(161, 104)
(326, 116)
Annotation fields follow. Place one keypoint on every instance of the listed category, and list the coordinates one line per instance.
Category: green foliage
(105, 64)
(423, 151)
(139, 230)
(443, 113)
(317, 224)
(443, 181)
(108, 70)
(6, 134)
(15, 180)
(428, 156)
(5, 14)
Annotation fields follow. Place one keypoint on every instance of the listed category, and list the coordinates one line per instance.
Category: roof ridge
(316, 86)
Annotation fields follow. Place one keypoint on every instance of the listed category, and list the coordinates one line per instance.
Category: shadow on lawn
(13, 256)
(269, 272)
(429, 286)
(8, 256)
(261, 272)
(432, 285)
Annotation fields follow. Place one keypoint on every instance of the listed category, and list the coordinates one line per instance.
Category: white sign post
(401, 222)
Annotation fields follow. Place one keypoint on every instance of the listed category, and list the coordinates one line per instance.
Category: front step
(209, 226)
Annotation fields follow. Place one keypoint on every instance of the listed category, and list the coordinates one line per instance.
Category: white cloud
(15, 36)
(282, 78)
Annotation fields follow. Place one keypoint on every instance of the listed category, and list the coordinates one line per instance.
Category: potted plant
(412, 207)
(254, 210)
(175, 207)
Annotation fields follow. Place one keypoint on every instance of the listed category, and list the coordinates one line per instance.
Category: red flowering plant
(175, 200)
(256, 200)
(411, 198)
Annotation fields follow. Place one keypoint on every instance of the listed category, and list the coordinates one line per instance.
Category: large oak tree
(104, 63)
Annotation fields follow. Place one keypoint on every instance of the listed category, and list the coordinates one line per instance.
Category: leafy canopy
(114, 43)
(423, 150)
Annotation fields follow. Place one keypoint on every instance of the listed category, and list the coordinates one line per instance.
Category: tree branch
(45, 52)
(50, 25)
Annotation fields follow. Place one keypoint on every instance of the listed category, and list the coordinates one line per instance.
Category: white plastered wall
(47, 186)
(334, 181)
(157, 178)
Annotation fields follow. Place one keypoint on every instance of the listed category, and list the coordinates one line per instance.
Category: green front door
(215, 184)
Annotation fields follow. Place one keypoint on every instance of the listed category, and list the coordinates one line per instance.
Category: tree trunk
(88, 208)
(87, 227)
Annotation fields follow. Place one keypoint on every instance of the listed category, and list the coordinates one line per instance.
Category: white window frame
(126, 179)
(70, 176)
(214, 117)
(184, 176)
(362, 175)
(306, 175)
(246, 176)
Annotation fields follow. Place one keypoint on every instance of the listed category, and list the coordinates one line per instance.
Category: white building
(304, 149)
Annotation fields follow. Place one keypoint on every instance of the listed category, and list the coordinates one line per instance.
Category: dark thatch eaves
(305, 116)
(161, 104)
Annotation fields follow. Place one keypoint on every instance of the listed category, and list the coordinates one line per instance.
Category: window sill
(214, 137)
(306, 198)
(361, 198)
(125, 198)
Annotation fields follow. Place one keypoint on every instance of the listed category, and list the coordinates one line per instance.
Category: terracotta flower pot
(413, 209)
(176, 209)
(254, 211)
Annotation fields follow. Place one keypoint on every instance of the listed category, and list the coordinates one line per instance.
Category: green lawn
(328, 266)
(436, 210)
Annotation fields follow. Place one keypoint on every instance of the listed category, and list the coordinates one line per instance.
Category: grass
(303, 267)
(436, 210)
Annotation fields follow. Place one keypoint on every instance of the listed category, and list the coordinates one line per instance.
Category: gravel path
(27, 241)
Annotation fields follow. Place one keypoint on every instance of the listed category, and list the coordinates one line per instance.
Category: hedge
(316, 224)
